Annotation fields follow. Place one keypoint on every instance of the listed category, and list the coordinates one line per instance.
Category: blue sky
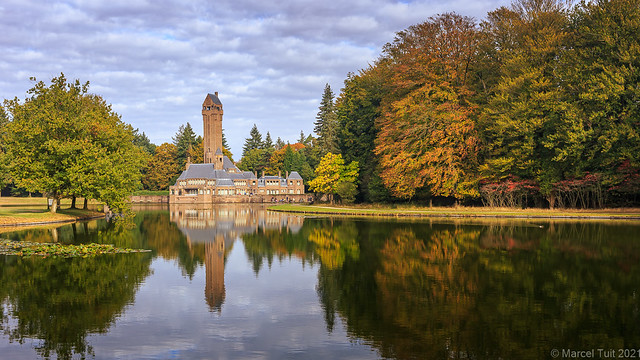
(155, 61)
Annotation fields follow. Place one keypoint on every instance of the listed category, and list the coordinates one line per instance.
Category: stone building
(218, 180)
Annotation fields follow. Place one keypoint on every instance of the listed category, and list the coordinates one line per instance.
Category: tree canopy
(63, 141)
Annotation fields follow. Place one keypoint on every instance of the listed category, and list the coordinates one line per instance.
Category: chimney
(262, 173)
(188, 162)
(279, 173)
(287, 174)
(216, 93)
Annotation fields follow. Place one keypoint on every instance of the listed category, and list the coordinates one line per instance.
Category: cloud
(156, 61)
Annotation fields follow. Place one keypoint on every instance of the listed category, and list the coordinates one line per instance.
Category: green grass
(14, 211)
(394, 210)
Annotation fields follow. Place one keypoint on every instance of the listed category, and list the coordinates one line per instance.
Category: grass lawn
(400, 210)
(14, 211)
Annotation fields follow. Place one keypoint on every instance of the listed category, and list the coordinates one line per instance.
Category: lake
(239, 282)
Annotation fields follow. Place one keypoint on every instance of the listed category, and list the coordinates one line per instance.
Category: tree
(196, 152)
(64, 142)
(279, 144)
(185, 140)
(331, 172)
(268, 143)
(253, 142)
(602, 67)
(357, 108)
(326, 124)
(532, 131)
(162, 168)
(427, 133)
(255, 160)
(225, 147)
(142, 141)
(4, 171)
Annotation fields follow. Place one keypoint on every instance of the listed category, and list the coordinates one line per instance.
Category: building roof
(214, 98)
(218, 152)
(224, 182)
(207, 171)
(295, 175)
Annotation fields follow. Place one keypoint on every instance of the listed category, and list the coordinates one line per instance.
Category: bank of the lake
(16, 212)
(458, 212)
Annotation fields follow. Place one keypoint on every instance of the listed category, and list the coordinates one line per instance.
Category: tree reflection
(61, 301)
(483, 291)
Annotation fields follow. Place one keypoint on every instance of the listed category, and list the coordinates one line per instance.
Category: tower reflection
(217, 227)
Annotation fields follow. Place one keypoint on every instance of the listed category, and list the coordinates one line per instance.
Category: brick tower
(212, 121)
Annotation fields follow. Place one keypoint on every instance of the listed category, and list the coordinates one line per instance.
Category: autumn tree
(162, 168)
(63, 141)
(427, 133)
(333, 176)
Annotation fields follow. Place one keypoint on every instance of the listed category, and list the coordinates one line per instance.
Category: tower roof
(214, 98)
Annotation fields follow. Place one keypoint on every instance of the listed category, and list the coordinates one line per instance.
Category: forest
(538, 104)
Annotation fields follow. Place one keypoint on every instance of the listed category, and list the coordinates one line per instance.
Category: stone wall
(149, 199)
(231, 199)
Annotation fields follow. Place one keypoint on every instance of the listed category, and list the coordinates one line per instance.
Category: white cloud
(155, 61)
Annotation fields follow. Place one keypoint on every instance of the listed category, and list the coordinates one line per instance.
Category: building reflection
(217, 227)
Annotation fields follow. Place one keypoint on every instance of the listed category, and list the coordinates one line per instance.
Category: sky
(155, 61)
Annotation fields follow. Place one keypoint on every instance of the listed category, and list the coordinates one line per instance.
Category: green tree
(142, 141)
(603, 71)
(279, 144)
(162, 168)
(255, 160)
(253, 142)
(65, 142)
(185, 141)
(326, 124)
(268, 143)
(4, 170)
(357, 108)
(532, 131)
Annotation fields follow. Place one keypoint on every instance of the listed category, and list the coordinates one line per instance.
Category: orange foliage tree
(427, 132)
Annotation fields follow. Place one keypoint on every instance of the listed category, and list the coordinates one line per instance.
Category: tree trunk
(73, 202)
(551, 198)
(86, 204)
(54, 206)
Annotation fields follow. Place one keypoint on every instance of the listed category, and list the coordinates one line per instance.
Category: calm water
(242, 283)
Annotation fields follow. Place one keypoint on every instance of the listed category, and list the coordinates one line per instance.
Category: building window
(208, 191)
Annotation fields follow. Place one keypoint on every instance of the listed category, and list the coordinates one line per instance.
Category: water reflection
(217, 228)
(61, 301)
(404, 289)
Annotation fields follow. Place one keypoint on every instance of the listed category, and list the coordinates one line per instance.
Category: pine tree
(254, 141)
(279, 143)
(326, 123)
(268, 143)
(184, 140)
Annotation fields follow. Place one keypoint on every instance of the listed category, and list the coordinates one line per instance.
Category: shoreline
(459, 213)
(52, 222)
